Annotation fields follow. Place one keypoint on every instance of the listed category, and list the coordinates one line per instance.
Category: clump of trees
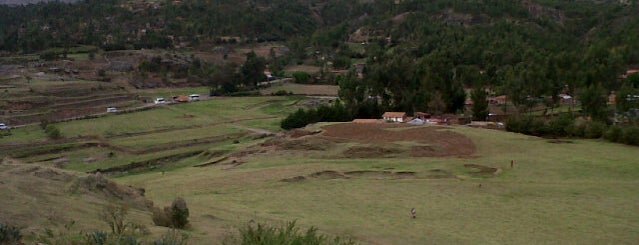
(324, 113)
(229, 79)
(567, 126)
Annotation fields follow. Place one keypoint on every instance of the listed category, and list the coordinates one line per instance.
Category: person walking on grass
(413, 213)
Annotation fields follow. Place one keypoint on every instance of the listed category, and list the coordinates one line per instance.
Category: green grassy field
(582, 192)
(566, 192)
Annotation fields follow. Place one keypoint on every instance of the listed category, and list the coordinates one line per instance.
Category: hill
(37, 198)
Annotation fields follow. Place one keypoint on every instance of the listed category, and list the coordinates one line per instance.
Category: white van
(194, 97)
(160, 100)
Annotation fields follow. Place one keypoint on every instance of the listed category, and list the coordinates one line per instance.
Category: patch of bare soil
(482, 170)
(370, 152)
(305, 144)
(294, 179)
(328, 174)
(439, 174)
(372, 174)
(297, 133)
(441, 142)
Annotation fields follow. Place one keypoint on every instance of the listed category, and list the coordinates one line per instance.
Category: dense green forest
(418, 55)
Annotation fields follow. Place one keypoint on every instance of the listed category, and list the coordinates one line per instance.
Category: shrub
(179, 213)
(301, 77)
(558, 127)
(10, 235)
(594, 130)
(631, 135)
(114, 216)
(576, 130)
(287, 234)
(97, 238)
(281, 93)
(614, 134)
(172, 237)
(536, 127)
(53, 132)
(44, 123)
(174, 216)
(160, 217)
(49, 55)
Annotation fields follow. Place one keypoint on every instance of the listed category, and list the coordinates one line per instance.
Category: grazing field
(228, 159)
(578, 192)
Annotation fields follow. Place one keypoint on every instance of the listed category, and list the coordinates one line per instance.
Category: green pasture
(575, 192)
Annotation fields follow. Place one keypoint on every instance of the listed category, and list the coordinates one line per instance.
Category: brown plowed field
(440, 142)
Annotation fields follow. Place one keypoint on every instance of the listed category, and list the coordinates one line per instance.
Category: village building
(394, 116)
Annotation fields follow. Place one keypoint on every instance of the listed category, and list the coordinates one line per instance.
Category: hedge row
(566, 126)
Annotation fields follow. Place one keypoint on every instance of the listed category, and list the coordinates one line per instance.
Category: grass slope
(575, 193)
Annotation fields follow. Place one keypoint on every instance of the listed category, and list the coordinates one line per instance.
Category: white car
(112, 109)
(194, 97)
(3, 126)
(160, 100)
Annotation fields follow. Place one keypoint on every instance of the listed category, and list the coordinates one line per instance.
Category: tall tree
(480, 104)
(253, 70)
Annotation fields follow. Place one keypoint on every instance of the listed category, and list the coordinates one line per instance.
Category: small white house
(194, 97)
(160, 100)
(394, 116)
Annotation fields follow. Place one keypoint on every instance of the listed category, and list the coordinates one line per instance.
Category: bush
(114, 216)
(174, 216)
(10, 235)
(576, 130)
(631, 135)
(614, 134)
(536, 127)
(281, 93)
(287, 234)
(97, 238)
(49, 55)
(53, 132)
(172, 237)
(558, 127)
(594, 130)
(301, 77)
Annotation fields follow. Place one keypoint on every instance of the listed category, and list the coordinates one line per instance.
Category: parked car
(3, 126)
(112, 109)
(160, 100)
(194, 97)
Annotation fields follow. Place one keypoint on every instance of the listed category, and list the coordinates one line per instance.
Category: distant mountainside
(19, 2)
